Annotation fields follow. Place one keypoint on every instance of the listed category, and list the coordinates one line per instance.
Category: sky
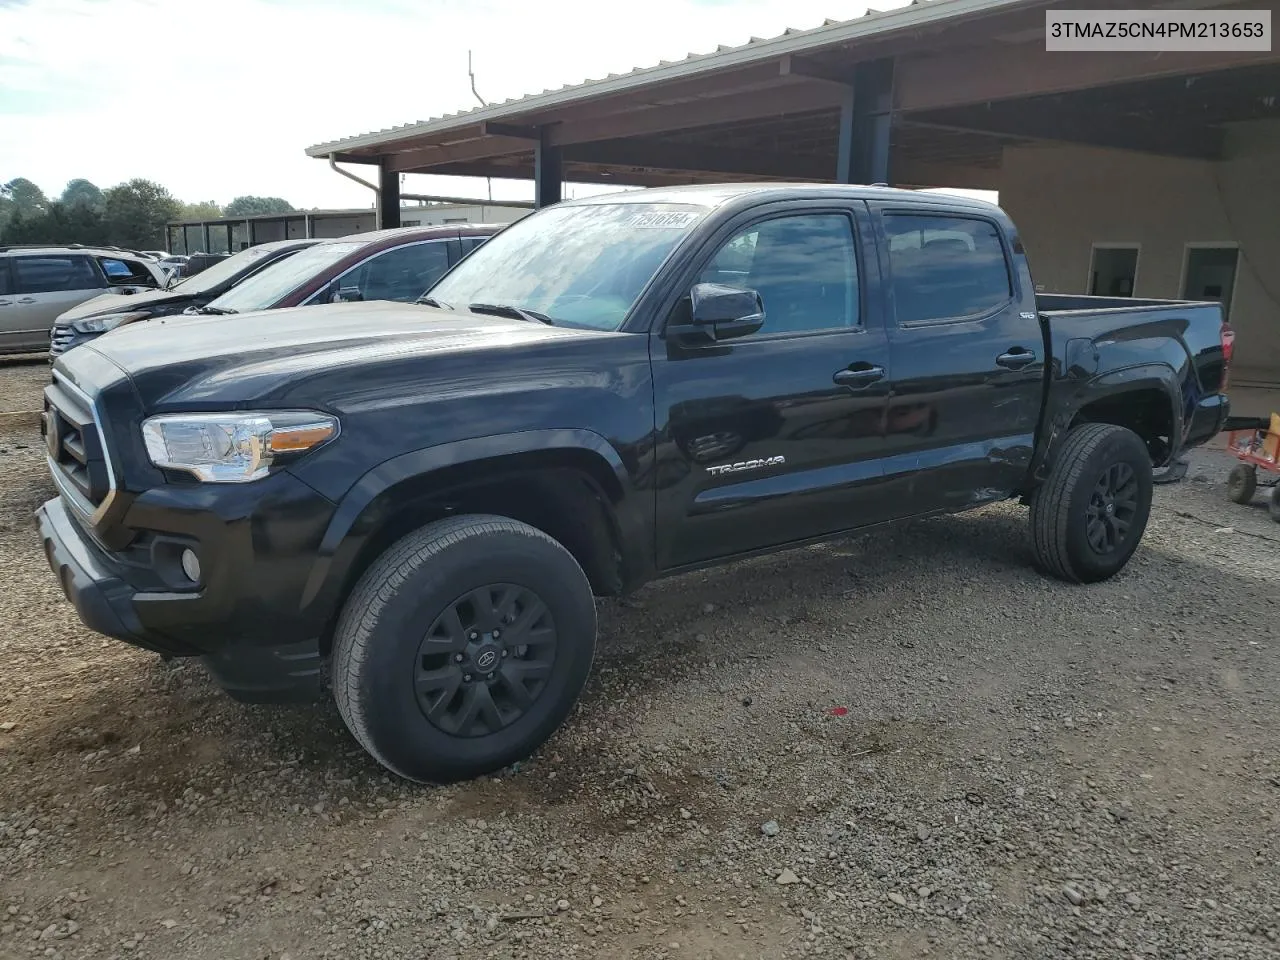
(219, 99)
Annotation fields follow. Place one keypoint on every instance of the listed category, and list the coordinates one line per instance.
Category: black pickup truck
(419, 501)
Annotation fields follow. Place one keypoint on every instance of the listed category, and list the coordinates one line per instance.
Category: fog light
(191, 565)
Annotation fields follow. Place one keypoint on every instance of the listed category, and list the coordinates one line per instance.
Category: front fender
(403, 477)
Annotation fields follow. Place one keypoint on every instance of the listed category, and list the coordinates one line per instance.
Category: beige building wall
(1066, 198)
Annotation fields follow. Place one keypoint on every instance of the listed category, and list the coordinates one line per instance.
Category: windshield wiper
(507, 310)
(433, 302)
(217, 311)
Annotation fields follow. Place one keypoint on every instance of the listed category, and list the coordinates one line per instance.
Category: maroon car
(396, 264)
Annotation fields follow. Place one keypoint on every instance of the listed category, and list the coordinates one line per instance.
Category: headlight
(108, 321)
(234, 447)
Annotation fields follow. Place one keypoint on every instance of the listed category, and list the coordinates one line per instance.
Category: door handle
(858, 375)
(1017, 358)
(27, 300)
(5, 303)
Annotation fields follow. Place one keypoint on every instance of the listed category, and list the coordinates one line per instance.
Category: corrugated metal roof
(831, 33)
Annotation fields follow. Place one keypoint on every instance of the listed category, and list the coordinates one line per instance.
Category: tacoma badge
(743, 465)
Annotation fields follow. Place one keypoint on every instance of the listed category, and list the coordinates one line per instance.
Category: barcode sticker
(663, 221)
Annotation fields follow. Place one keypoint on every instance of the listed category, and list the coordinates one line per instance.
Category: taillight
(1228, 344)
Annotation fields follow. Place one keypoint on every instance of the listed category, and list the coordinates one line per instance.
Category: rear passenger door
(967, 363)
(44, 285)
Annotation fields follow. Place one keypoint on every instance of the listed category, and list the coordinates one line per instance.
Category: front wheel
(463, 648)
(1089, 515)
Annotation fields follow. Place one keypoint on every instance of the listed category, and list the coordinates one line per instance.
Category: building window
(1209, 273)
(1113, 270)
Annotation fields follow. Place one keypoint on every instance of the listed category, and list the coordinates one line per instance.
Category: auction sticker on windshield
(663, 221)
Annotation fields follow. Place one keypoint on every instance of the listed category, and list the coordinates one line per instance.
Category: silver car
(39, 282)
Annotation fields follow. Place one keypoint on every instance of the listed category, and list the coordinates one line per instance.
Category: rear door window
(945, 268)
(54, 273)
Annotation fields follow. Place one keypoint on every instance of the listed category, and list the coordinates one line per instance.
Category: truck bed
(1126, 322)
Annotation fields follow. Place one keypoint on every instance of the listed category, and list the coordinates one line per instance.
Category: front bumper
(274, 661)
(100, 595)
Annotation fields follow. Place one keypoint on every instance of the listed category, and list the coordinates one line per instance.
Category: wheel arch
(571, 484)
(1146, 399)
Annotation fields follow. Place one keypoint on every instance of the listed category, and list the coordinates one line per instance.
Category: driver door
(776, 437)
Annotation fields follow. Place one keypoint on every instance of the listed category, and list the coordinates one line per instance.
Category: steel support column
(388, 196)
(547, 176)
(866, 119)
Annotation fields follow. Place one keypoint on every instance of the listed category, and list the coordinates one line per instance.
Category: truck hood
(122, 303)
(221, 361)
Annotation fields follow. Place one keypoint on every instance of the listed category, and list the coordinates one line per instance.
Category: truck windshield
(264, 290)
(580, 266)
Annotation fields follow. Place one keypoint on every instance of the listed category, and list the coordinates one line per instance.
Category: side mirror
(718, 312)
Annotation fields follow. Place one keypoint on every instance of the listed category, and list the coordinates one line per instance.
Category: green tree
(26, 197)
(22, 199)
(252, 206)
(200, 210)
(57, 224)
(136, 214)
(82, 194)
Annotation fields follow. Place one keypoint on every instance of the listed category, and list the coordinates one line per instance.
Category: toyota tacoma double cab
(414, 505)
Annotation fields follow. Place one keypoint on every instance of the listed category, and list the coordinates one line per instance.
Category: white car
(37, 283)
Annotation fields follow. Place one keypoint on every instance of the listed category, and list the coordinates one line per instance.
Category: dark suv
(93, 318)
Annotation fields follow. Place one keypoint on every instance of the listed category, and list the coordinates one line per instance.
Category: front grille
(61, 339)
(74, 444)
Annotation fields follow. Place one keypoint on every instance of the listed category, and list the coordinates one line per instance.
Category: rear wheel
(1089, 515)
(1273, 505)
(1242, 482)
(463, 648)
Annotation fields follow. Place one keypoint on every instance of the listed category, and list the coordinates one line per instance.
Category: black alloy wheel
(1112, 508)
(485, 660)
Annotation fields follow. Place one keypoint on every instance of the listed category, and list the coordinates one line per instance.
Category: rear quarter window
(945, 268)
(124, 273)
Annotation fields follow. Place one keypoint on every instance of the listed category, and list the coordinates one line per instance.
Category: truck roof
(719, 194)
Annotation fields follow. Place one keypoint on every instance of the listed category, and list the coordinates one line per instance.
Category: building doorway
(1209, 273)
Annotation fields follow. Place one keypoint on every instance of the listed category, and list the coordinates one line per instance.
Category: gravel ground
(900, 745)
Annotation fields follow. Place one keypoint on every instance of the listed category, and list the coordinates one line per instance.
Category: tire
(1242, 482)
(1273, 504)
(396, 636)
(1069, 509)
